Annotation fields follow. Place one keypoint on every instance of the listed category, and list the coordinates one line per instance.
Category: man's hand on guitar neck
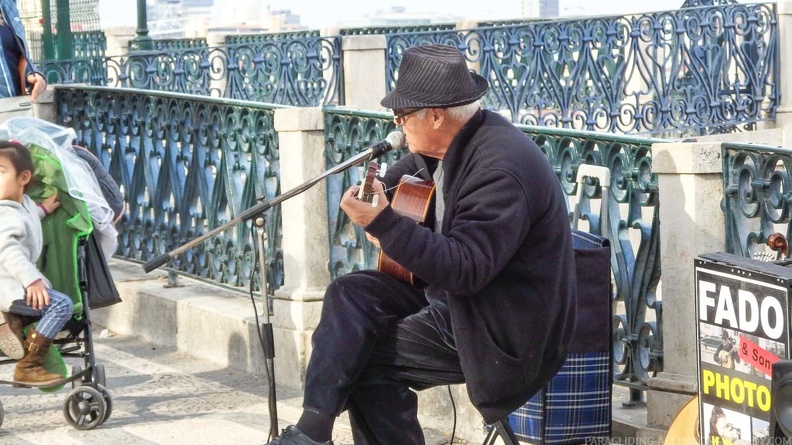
(372, 240)
(363, 213)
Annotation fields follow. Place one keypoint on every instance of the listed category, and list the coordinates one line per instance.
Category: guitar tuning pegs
(383, 169)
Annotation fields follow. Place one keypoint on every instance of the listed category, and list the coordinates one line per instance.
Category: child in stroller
(76, 239)
(20, 247)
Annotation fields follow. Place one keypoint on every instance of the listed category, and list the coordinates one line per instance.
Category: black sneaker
(293, 436)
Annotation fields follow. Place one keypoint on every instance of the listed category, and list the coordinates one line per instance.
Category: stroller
(73, 260)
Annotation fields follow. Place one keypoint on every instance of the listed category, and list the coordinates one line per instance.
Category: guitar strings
(397, 185)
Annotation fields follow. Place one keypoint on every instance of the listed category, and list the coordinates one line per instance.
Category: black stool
(501, 429)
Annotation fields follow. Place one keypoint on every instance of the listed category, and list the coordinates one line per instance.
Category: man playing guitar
(495, 254)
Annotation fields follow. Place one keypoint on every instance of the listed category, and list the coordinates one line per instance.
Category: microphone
(395, 140)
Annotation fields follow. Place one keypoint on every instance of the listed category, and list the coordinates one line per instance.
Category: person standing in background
(18, 75)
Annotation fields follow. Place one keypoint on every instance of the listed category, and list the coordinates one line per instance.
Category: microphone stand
(256, 213)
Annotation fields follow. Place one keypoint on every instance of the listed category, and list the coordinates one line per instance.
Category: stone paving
(159, 396)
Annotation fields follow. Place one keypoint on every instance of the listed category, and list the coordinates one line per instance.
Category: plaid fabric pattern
(575, 405)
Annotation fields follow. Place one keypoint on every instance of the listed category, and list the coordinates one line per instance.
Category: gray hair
(461, 113)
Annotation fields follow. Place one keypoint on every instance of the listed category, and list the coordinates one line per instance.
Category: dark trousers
(376, 339)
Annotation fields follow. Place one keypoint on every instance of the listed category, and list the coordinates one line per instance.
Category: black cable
(255, 312)
(453, 407)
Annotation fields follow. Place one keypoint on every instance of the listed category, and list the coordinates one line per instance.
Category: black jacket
(504, 260)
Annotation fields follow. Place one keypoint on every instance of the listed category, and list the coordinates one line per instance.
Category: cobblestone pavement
(159, 396)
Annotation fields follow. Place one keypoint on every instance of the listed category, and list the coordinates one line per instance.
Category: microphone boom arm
(262, 207)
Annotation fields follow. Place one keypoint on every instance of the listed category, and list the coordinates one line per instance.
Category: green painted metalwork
(247, 39)
(697, 3)
(186, 164)
(91, 71)
(757, 204)
(373, 30)
(142, 41)
(90, 45)
(179, 44)
(303, 71)
(65, 40)
(494, 23)
(703, 70)
(71, 18)
(632, 213)
(347, 132)
(297, 71)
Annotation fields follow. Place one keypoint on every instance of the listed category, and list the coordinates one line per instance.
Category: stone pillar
(44, 106)
(467, 24)
(218, 83)
(784, 111)
(298, 302)
(329, 76)
(118, 39)
(364, 71)
(691, 223)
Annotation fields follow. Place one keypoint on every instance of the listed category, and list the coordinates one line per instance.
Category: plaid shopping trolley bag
(576, 404)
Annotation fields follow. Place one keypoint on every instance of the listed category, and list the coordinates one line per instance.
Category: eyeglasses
(399, 115)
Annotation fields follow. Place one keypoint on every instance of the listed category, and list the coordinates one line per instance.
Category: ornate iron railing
(247, 39)
(186, 165)
(710, 69)
(67, 72)
(179, 44)
(396, 29)
(89, 45)
(757, 204)
(347, 132)
(298, 71)
(632, 213)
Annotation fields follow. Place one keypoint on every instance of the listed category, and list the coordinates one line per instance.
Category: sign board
(742, 312)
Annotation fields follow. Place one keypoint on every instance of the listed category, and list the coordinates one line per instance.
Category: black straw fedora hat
(434, 76)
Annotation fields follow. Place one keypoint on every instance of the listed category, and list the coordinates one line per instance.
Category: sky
(316, 14)
(313, 12)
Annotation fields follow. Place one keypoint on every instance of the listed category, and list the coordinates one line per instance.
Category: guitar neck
(366, 193)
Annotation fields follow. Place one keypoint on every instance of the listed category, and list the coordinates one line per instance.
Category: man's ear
(438, 117)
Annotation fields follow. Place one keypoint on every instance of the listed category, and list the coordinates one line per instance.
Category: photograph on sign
(724, 426)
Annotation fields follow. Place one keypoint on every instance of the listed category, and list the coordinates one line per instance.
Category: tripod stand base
(503, 430)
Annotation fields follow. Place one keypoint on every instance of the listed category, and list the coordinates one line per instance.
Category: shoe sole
(44, 384)
(10, 344)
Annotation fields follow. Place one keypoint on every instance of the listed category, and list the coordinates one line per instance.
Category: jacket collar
(459, 149)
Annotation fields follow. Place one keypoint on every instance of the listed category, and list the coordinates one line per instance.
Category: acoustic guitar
(414, 199)
(726, 359)
(684, 430)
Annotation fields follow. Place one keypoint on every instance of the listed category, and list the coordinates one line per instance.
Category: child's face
(12, 183)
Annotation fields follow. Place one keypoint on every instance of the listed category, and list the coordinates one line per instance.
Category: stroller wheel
(100, 375)
(85, 408)
(108, 402)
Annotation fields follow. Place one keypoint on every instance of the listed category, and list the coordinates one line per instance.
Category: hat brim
(396, 100)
